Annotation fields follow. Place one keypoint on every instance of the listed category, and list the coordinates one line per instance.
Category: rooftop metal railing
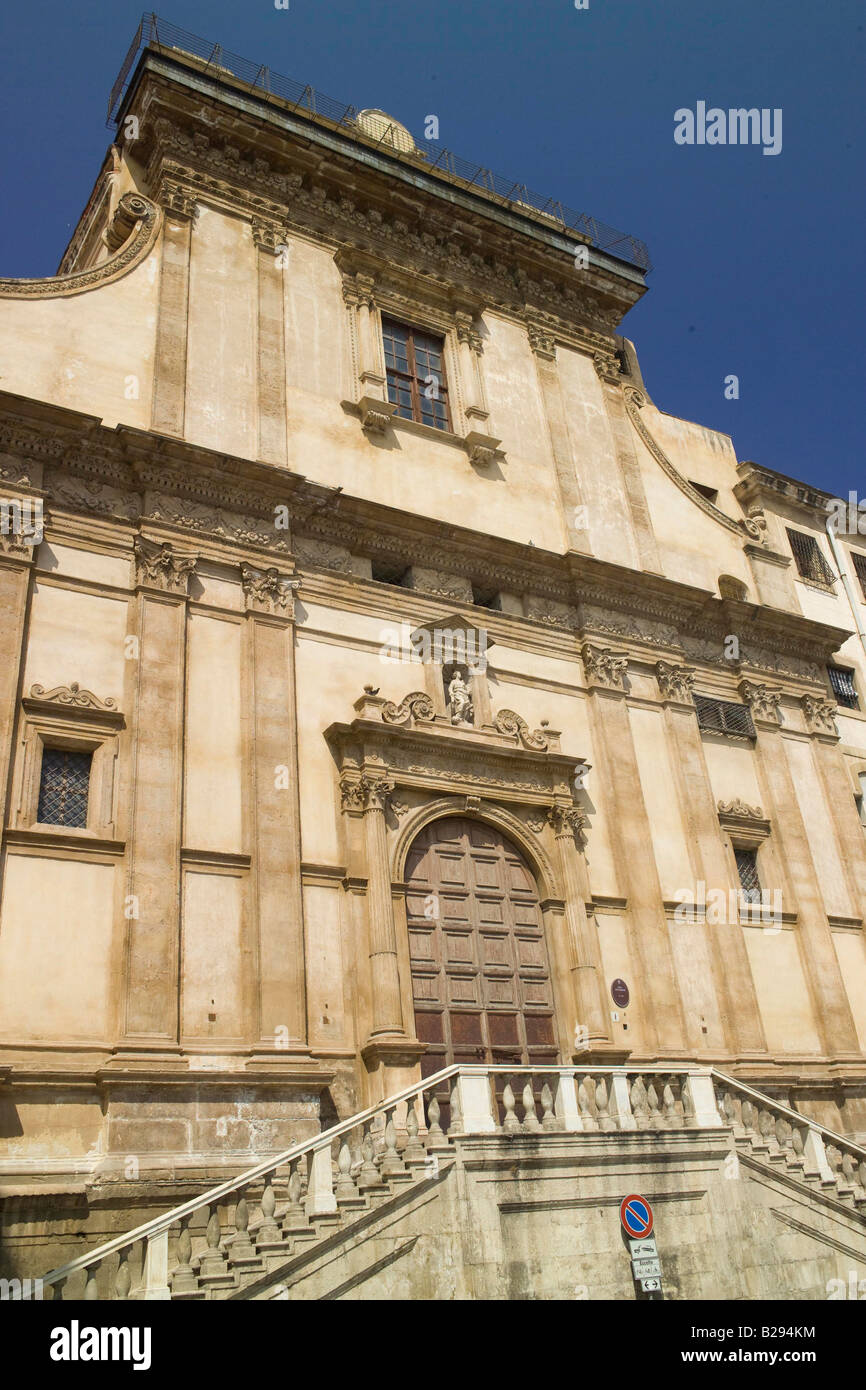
(158, 34)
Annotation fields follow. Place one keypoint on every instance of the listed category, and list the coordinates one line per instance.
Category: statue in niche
(460, 700)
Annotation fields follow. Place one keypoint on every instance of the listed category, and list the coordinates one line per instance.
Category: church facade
(387, 682)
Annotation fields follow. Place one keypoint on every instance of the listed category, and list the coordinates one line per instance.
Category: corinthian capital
(158, 566)
(568, 821)
(675, 682)
(820, 715)
(267, 590)
(762, 701)
(604, 666)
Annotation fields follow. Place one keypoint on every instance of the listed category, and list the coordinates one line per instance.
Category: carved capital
(820, 715)
(360, 793)
(568, 821)
(268, 591)
(607, 366)
(542, 341)
(157, 566)
(267, 234)
(464, 323)
(605, 667)
(17, 547)
(675, 682)
(762, 701)
(358, 289)
(177, 200)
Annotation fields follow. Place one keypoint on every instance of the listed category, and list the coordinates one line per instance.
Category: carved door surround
(402, 766)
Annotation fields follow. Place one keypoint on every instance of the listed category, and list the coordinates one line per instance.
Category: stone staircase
(294, 1218)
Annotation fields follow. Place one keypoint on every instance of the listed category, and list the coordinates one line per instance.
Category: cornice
(133, 231)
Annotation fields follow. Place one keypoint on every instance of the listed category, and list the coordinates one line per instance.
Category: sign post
(636, 1216)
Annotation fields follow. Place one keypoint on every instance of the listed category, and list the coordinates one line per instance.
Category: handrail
(159, 1224)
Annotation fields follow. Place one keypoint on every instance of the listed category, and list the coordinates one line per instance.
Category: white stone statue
(460, 700)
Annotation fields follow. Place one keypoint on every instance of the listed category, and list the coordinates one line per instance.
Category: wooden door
(480, 970)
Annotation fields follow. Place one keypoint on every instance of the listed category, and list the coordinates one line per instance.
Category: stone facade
(248, 561)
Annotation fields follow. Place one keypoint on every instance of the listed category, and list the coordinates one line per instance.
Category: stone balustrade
(251, 1225)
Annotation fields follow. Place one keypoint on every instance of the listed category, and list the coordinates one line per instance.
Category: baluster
(434, 1129)
(587, 1118)
(57, 1291)
(183, 1278)
(123, 1277)
(672, 1117)
(548, 1118)
(268, 1229)
(295, 1213)
(392, 1163)
(369, 1174)
(783, 1136)
(731, 1112)
(849, 1170)
(657, 1119)
(241, 1247)
(91, 1290)
(510, 1124)
(414, 1150)
(639, 1104)
(344, 1186)
(456, 1125)
(765, 1127)
(530, 1115)
(212, 1264)
(798, 1144)
(749, 1114)
(602, 1106)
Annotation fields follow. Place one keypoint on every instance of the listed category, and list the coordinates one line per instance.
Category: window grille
(747, 868)
(810, 560)
(724, 717)
(416, 374)
(842, 681)
(63, 787)
(860, 569)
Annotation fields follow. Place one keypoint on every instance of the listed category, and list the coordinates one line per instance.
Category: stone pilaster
(16, 562)
(271, 359)
(568, 824)
(732, 975)
(275, 806)
(169, 370)
(571, 499)
(149, 1018)
(387, 1012)
(632, 835)
(629, 466)
(823, 976)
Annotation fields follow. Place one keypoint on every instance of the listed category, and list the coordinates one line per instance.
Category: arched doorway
(480, 970)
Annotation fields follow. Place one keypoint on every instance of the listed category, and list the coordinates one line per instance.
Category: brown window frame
(412, 379)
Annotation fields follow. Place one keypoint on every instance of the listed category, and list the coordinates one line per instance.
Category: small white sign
(646, 1269)
(650, 1285)
(644, 1248)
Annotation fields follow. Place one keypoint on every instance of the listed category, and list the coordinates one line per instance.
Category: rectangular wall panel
(211, 978)
(214, 762)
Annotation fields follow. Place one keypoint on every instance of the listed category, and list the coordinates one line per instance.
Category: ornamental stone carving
(157, 565)
(267, 235)
(72, 695)
(740, 808)
(542, 341)
(675, 682)
(762, 701)
(755, 526)
(267, 590)
(359, 794)
(16, 547)
(604, 666)
(507, 722)
(417, 706)
(460, 701)
(569, 820)
(607, 366)
(820, 715)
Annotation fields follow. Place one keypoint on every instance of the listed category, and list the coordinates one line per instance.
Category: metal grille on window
(810, 560)
(860, 570)
(842, 681)
(724, 717)
(747, 868)
(416, 374)
(63, 787)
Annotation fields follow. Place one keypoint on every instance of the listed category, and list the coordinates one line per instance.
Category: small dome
(380, 126)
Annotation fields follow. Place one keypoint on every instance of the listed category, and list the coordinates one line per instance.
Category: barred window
(416, 374)
(809, 557)
(63, 787)
(860, 569)
(747, 868)
(724, 717)
(842, 682)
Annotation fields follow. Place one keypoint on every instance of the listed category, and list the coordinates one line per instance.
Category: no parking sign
(636, 1215)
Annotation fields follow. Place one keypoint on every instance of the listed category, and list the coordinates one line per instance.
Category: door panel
(480, 970)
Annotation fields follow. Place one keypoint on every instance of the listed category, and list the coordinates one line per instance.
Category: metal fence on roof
(158, 34)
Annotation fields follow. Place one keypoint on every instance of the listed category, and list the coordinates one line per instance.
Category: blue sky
(758, 260)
